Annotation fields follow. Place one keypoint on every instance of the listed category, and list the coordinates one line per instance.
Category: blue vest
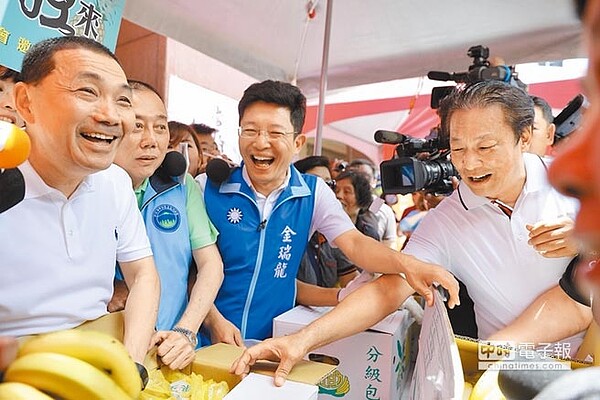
(165, 216)
(260, 258)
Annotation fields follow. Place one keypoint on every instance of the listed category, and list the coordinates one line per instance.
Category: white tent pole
(323, 83)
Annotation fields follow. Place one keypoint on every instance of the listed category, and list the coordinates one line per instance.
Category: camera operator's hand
(553, 239)
(432, 200)
(455, 182)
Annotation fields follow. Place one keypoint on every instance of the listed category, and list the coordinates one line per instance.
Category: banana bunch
(17, 391)
(72, 364)
(165, 383)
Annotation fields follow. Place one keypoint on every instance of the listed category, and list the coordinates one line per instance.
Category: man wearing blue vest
(266, 211)
(178, 228)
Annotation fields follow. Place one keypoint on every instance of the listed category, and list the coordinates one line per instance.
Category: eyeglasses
(251, 133)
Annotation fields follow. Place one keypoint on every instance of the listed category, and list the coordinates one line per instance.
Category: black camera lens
(341, 167)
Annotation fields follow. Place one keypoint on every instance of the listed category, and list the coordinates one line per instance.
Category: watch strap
(143, 374)
(191, 336)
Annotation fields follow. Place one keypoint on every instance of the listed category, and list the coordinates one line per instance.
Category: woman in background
(353, 190)
(182, 133)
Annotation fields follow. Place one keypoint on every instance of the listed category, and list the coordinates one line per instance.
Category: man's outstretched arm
(373, 256)
(359, 311)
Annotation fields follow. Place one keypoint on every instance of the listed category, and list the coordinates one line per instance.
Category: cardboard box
(372, 364)
(257, 386)
(111, 323)
(213, 362)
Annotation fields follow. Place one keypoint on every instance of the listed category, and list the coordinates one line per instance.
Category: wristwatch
(191, 336)
(143, 374)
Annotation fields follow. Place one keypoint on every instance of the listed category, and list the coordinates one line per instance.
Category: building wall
(143, 55)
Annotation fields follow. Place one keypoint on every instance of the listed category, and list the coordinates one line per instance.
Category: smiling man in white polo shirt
(505, 232)
(59, 245)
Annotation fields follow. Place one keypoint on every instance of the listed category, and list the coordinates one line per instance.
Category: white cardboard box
(214, 362)
(372, 364)
(257, 386)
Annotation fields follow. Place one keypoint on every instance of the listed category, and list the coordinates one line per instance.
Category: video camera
(424, 164)
(421, 164)
(479, 71)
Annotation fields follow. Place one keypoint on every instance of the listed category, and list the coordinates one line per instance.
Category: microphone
(14, 150)
(173, 165)
(14, 145)
(389, 137)
(12, 188)
(218, 170)
(262, 225)
(440, 76)
(526, 384)
(582, 383)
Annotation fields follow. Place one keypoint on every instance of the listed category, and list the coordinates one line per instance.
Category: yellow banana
(487, 387)
(467, 391)
(64, 376)
(99, 349)
(21, 391)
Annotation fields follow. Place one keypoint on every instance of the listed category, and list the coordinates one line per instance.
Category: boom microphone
(173, 165)
(526, 384)
(523, 385)
(218, 170)
(582, 383)
(440, 76)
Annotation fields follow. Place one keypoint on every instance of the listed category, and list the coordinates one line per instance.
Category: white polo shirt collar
(36, 187)
(538, 175)
(534, 181)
